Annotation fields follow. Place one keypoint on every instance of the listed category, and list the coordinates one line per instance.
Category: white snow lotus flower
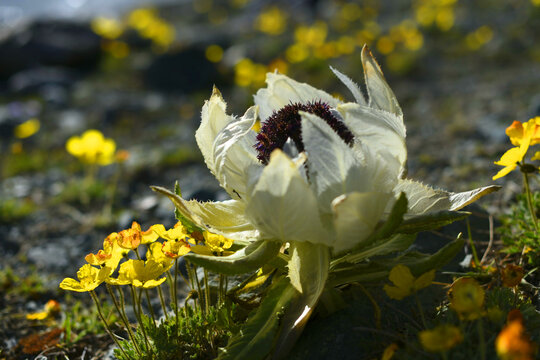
(321, 175)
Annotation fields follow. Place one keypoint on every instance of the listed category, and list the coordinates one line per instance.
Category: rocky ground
(457, 103)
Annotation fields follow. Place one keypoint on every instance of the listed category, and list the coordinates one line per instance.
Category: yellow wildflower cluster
(272, 21)
(435, 12)
(145, 21)
(522, 137)
(148, 273)
(92, 148)
(248, 73)
(478, 38)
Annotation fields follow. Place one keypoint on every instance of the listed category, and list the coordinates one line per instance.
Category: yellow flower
(110, 255)
(272, 21)
(139, 273)
(52, 307)
(92, 148)
(405, 283)
(27, 128)
(89, 279)
(155, 253)
(441, 338)
(131, 238)
(517, 131)
(513, 343)
(389, 351)
(467, 298)
(522, 136)
(216, 243)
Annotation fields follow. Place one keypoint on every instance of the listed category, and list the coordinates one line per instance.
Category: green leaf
(255, 339)
(248, 259)
(430, 221)
(308, 271)
(378, 269)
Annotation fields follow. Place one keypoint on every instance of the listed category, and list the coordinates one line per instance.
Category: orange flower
(517, 131)
(131, 238)
(513, 343)
(467, 298)
(511, 275)
(111, 254)
(441, 338)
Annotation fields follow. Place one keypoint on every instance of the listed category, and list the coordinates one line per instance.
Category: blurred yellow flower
(297, 53)
(513, 343)
(92, 148)
(89, 279)
(389, 351)
(272, 21)
(108, 28)
(313, 36)
(441, 338)
(248, 73)
(27, 128)
(214, 53)
(405, 283)
(385, 45)
(467, 298)
(479, 37)
(52, 307)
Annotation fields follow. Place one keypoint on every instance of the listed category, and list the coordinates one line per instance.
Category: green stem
(123, 317)
(152, 315)
(175, 299)
(473, 248)
(420, 309)
(107, 328)
(221, 292)
(162, 300)
(482, 340)
(206, 292)
(138, 313)
(529, 201)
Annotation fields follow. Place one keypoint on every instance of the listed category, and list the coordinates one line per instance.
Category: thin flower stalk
(107, 327)
(123, 316)
(162, 301)
(206, 292)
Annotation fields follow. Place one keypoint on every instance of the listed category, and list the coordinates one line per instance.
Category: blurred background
(139, 72)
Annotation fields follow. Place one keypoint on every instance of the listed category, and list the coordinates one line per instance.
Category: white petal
(283, 207)
(381, 95)
(352, 86)
(424, 199)
(233, 153)
(333, 167)
(283, 90)
(355, 217)
(380, 131)
(213, 120)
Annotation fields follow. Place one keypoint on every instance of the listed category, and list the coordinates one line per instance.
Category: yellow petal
(424, 280)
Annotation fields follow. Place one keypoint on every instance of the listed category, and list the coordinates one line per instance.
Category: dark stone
(184, 71)
(49, 43)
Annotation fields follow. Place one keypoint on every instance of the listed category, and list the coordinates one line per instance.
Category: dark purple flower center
(286, 123)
